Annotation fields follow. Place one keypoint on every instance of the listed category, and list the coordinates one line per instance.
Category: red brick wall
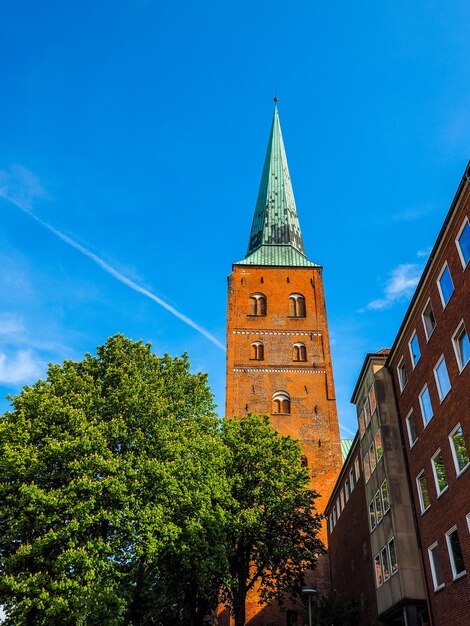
(450, 605)
(251, 384)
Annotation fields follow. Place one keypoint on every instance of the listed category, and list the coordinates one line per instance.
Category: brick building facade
(429, 362)
(278, 351)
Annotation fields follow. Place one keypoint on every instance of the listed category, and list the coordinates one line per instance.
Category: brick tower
(278, 349)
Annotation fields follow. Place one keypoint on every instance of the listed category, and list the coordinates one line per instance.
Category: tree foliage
(98, 505)
(272, 528)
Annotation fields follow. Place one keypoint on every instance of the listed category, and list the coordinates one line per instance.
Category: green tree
(111, 483)
(271, 524)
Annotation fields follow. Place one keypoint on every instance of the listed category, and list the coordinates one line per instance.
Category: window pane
(378, 571)
(346, 490)
(436, 567)
(429, 320)
(372, 521)
(442, 378)
(462, 347)
(356, 468)
(411, 426)
(423, 491)
(351, 480)
(373, 461)
(439, 473)
(460, 449)
(362, 426)
(455, 553)
(385, 565)
(393, 556)
(366, 467)
(426, 406)
(464, 244)
(367, 411)
(378, 507)
(402, 375)
(414, 349)
(341, 495)
(385, 496)
(372, 400)
(446, 285)
(378, 445)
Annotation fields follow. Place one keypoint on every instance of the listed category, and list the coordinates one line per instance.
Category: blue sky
(134, 132)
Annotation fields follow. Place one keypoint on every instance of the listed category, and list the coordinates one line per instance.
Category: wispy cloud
(21, 367)
(21, 187)
(423, 253)
(410, 215)
(400, 285)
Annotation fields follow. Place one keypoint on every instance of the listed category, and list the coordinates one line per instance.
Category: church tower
(278, 349)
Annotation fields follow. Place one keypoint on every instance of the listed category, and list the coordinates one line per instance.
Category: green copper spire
(275, 234)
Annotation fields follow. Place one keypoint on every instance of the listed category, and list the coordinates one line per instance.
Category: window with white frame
(342, 498)
(411, 428)
(455, 553)
(357, 470)
(442, 378)
(459, 449)
(366, 465)
(425, 404)
(372, 519)
(436, 566)
(393, 556)
(372, 400)
(351, 481)
(415, 351)
(385, 563)
(402, 374)
(439, 472)
(373, 458)
(378, 445)
(367, 412)
(378, 571)
(346, 490)
(445, 285)
(362, 424)
(335, 517)
(378, 507)
(468, 522)
(385, 496)
(461, 345)
(429, 321)
(423, 492)
(463, 243)
(331, 523)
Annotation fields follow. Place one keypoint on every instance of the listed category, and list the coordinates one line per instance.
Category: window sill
(274, 414)
(428, 337)
(425, 511)
(442, 492)
(463, 470)
(463, 367)
(412, 445)
(253, 315)
(459, 576)
(296, 317)
(440, 588)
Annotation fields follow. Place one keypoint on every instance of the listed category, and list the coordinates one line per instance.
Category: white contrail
(348, 430)
(123, 279)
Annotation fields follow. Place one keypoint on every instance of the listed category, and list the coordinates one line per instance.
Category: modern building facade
(278, 350)
(349, 538)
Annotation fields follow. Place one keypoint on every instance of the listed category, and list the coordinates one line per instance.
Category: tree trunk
(239, 602)
(136, 609)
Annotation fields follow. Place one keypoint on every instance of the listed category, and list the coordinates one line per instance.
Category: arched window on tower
(257, 351)
(258, 304)
(296, 305)
(281, 403)
(304, 461)
(300, 352)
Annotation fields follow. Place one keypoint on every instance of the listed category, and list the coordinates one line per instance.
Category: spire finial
(276, 99)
